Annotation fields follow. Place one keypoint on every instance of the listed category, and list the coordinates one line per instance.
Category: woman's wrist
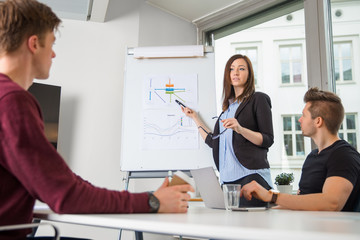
(239, 129)
(197, 121)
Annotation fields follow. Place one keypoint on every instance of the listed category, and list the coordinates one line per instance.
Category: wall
(154, 31)
(89, 67)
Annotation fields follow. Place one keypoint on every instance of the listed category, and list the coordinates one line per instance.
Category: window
(343, 61)
(287, 30)
(293, 139)
(291, 64)
(252, 54)
(345, 20)
(348, 130)
(275, 43)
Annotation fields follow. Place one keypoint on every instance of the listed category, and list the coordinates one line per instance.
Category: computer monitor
(48, 97)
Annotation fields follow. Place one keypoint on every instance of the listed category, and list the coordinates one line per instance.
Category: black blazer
(254, 114)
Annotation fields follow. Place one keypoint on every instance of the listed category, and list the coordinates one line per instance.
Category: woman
(241, 142)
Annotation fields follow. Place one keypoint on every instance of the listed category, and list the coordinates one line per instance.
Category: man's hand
(253, 189)
(173, 199)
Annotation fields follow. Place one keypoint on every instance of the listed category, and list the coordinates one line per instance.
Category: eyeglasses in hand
(211, 134)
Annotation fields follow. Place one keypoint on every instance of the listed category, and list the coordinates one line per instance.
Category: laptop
(208, 185)
(210, 190)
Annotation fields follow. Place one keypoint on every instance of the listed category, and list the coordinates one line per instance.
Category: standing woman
(244, 130)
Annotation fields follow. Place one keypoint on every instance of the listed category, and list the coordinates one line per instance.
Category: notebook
(210, 190)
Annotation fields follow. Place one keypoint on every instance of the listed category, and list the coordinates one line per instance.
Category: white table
(202, 222)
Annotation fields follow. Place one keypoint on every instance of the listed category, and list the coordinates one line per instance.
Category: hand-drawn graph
(165, 126)
(168, 130)
(162, 90)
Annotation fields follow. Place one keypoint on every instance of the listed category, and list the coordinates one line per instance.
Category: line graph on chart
(168, 130)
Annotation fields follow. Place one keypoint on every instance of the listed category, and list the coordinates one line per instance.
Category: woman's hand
(233, 124)
(189, 112)
(199, 123)
(254, 137)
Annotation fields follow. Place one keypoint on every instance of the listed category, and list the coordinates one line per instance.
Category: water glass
(231, 195)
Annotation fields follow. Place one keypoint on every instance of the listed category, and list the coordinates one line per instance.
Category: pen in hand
(188, 112)
(180, 103)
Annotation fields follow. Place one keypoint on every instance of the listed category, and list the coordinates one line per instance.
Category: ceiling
(95, 10)
(191, 10)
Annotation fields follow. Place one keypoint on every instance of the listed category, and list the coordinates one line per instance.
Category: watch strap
(274, 197)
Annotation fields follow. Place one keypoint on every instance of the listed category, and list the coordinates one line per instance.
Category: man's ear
(319, 121)
(33, 43)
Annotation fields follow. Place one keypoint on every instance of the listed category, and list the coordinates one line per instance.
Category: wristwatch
(274, 196)
(154, 203)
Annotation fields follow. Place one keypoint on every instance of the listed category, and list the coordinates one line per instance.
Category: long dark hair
(229, 92)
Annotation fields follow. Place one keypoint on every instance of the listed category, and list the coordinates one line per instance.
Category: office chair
(30, 225)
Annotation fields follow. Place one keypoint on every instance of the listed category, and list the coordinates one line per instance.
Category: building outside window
(293, 139)
(346, 55)
(281, 73)
(252, 54)
(349, 130)
(291, 64)
(343, 62)
(277, 51)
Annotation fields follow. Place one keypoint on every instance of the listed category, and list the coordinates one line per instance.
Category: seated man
(30, 167)
(330, 179)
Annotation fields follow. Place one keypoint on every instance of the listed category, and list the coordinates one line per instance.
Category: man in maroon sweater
(30, 167)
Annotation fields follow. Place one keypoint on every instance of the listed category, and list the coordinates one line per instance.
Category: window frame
(344, 130)
(317, 48)
(352, 40)
(258, 47)
(292, 43)
(294, 157)
(318, 28)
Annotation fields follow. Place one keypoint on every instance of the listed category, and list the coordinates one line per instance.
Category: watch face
(154, 203)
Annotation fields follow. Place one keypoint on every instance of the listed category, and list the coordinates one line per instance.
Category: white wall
(157, 28)
(89, 67)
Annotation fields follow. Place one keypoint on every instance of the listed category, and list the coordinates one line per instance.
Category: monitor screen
(48, 97)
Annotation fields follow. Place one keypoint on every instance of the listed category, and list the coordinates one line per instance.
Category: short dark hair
(229, 91)
(20, 19)
(326, 105)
